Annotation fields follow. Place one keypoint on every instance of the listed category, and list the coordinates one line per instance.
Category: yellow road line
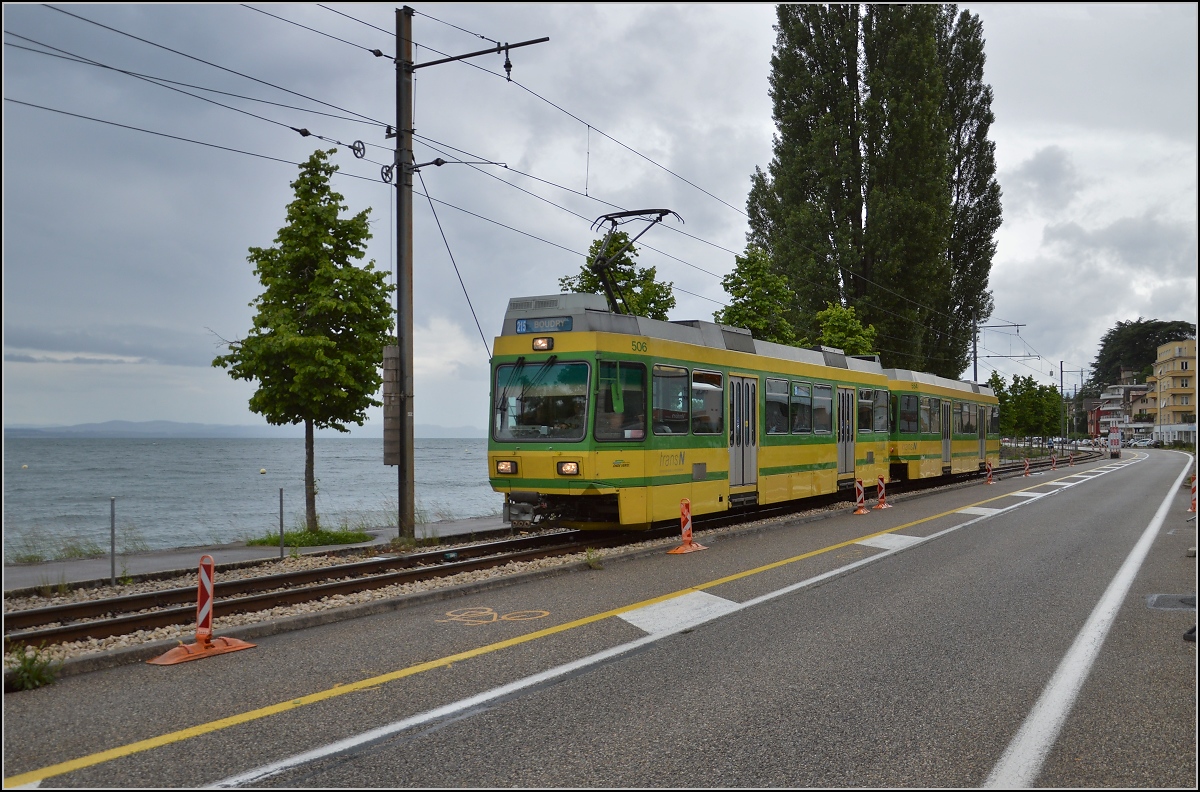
(341, 690)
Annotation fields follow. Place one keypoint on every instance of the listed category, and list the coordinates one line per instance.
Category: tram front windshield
(540, 401)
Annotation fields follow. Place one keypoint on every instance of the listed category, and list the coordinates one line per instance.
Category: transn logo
(670, 459)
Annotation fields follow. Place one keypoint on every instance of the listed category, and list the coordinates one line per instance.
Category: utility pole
(398, 410)
(975, 328)
(1080, 372)
(404, 276)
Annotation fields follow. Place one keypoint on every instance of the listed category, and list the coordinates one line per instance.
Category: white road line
(695, 607)
(1060, 484)
(891, 541)
(1026, 494)
(980, 510)
(1023, 759)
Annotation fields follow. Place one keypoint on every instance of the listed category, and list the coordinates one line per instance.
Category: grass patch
(32, 669)
(304, 538)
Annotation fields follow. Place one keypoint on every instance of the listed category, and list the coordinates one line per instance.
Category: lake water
(185, 492)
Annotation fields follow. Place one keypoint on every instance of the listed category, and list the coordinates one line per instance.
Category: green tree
(842, 329)
(806, 210)
(321, 323)
(881, 192)
(644, 295)
(1000, 388)
(975, 210)
(760, 298)
(1133, 345)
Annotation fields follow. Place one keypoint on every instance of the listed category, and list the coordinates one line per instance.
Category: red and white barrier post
(988, 465)
(685, 525)
(882, 496)
(1027, 466)
(859, 497)
(1071, 459)
(205, 645)
(1053, 462)
(1192, 508)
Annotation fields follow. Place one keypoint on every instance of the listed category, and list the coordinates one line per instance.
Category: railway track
(103, 618)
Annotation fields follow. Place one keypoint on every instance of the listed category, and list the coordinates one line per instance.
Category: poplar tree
(881, 192)
(316, 346)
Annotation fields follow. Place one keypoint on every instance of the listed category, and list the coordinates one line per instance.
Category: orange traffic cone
(205, 645)
(685, 522)
(883, 504)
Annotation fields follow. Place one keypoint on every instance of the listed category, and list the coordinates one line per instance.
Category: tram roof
(590, 313)
(933, 379)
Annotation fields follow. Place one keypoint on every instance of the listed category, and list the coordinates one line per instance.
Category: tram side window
(802, 418)
(881, 411)
(866, 400)
(822, 408)
(956, 418)
(670, 393)
(621, 406)
(935, 416)
(925, 415)
(994, 427)
(969, 419)
(908, 414)
(776, 414)
(708, 402)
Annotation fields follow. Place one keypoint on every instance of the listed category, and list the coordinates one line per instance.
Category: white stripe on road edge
(454, 708)
(980, 510)
(891, 541)
(1023, 759)
(1027, 494)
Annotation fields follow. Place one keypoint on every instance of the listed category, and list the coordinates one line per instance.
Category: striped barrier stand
(989, 472)
(206, 645)
(882, 496)
(685, 524)
(1026, 466)
(859, 498)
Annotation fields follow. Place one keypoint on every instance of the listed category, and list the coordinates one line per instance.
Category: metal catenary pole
(404, 304)
(403, 178)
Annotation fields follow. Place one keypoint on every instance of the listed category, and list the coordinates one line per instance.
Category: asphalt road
(923, 645)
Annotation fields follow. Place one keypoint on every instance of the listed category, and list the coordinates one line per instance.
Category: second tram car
(601, 419)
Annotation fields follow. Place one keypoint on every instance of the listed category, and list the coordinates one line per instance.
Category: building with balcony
(1175, 391)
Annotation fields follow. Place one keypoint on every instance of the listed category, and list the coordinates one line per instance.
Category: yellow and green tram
(600, 419)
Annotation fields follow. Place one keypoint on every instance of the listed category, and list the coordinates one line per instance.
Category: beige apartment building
(1174, 394)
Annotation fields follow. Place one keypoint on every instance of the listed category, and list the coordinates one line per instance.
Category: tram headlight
(544, 344)
(568, 468)
(506, 466)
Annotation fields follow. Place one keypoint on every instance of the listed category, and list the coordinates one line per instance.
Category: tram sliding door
(846, 417)
(743, 431)
(982, 423)
(946, 428)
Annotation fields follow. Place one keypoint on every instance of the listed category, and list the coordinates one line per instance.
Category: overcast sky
(125, 252)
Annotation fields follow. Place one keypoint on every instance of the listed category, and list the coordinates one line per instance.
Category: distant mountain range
(136, 429)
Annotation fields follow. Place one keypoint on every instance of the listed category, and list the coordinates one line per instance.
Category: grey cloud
(1047, 181)
(85, 361)
(1151, 245)
(140, 343)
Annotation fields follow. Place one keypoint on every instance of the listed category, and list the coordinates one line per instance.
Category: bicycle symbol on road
(475, 616)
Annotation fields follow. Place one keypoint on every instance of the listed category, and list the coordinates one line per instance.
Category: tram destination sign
(548, 324)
